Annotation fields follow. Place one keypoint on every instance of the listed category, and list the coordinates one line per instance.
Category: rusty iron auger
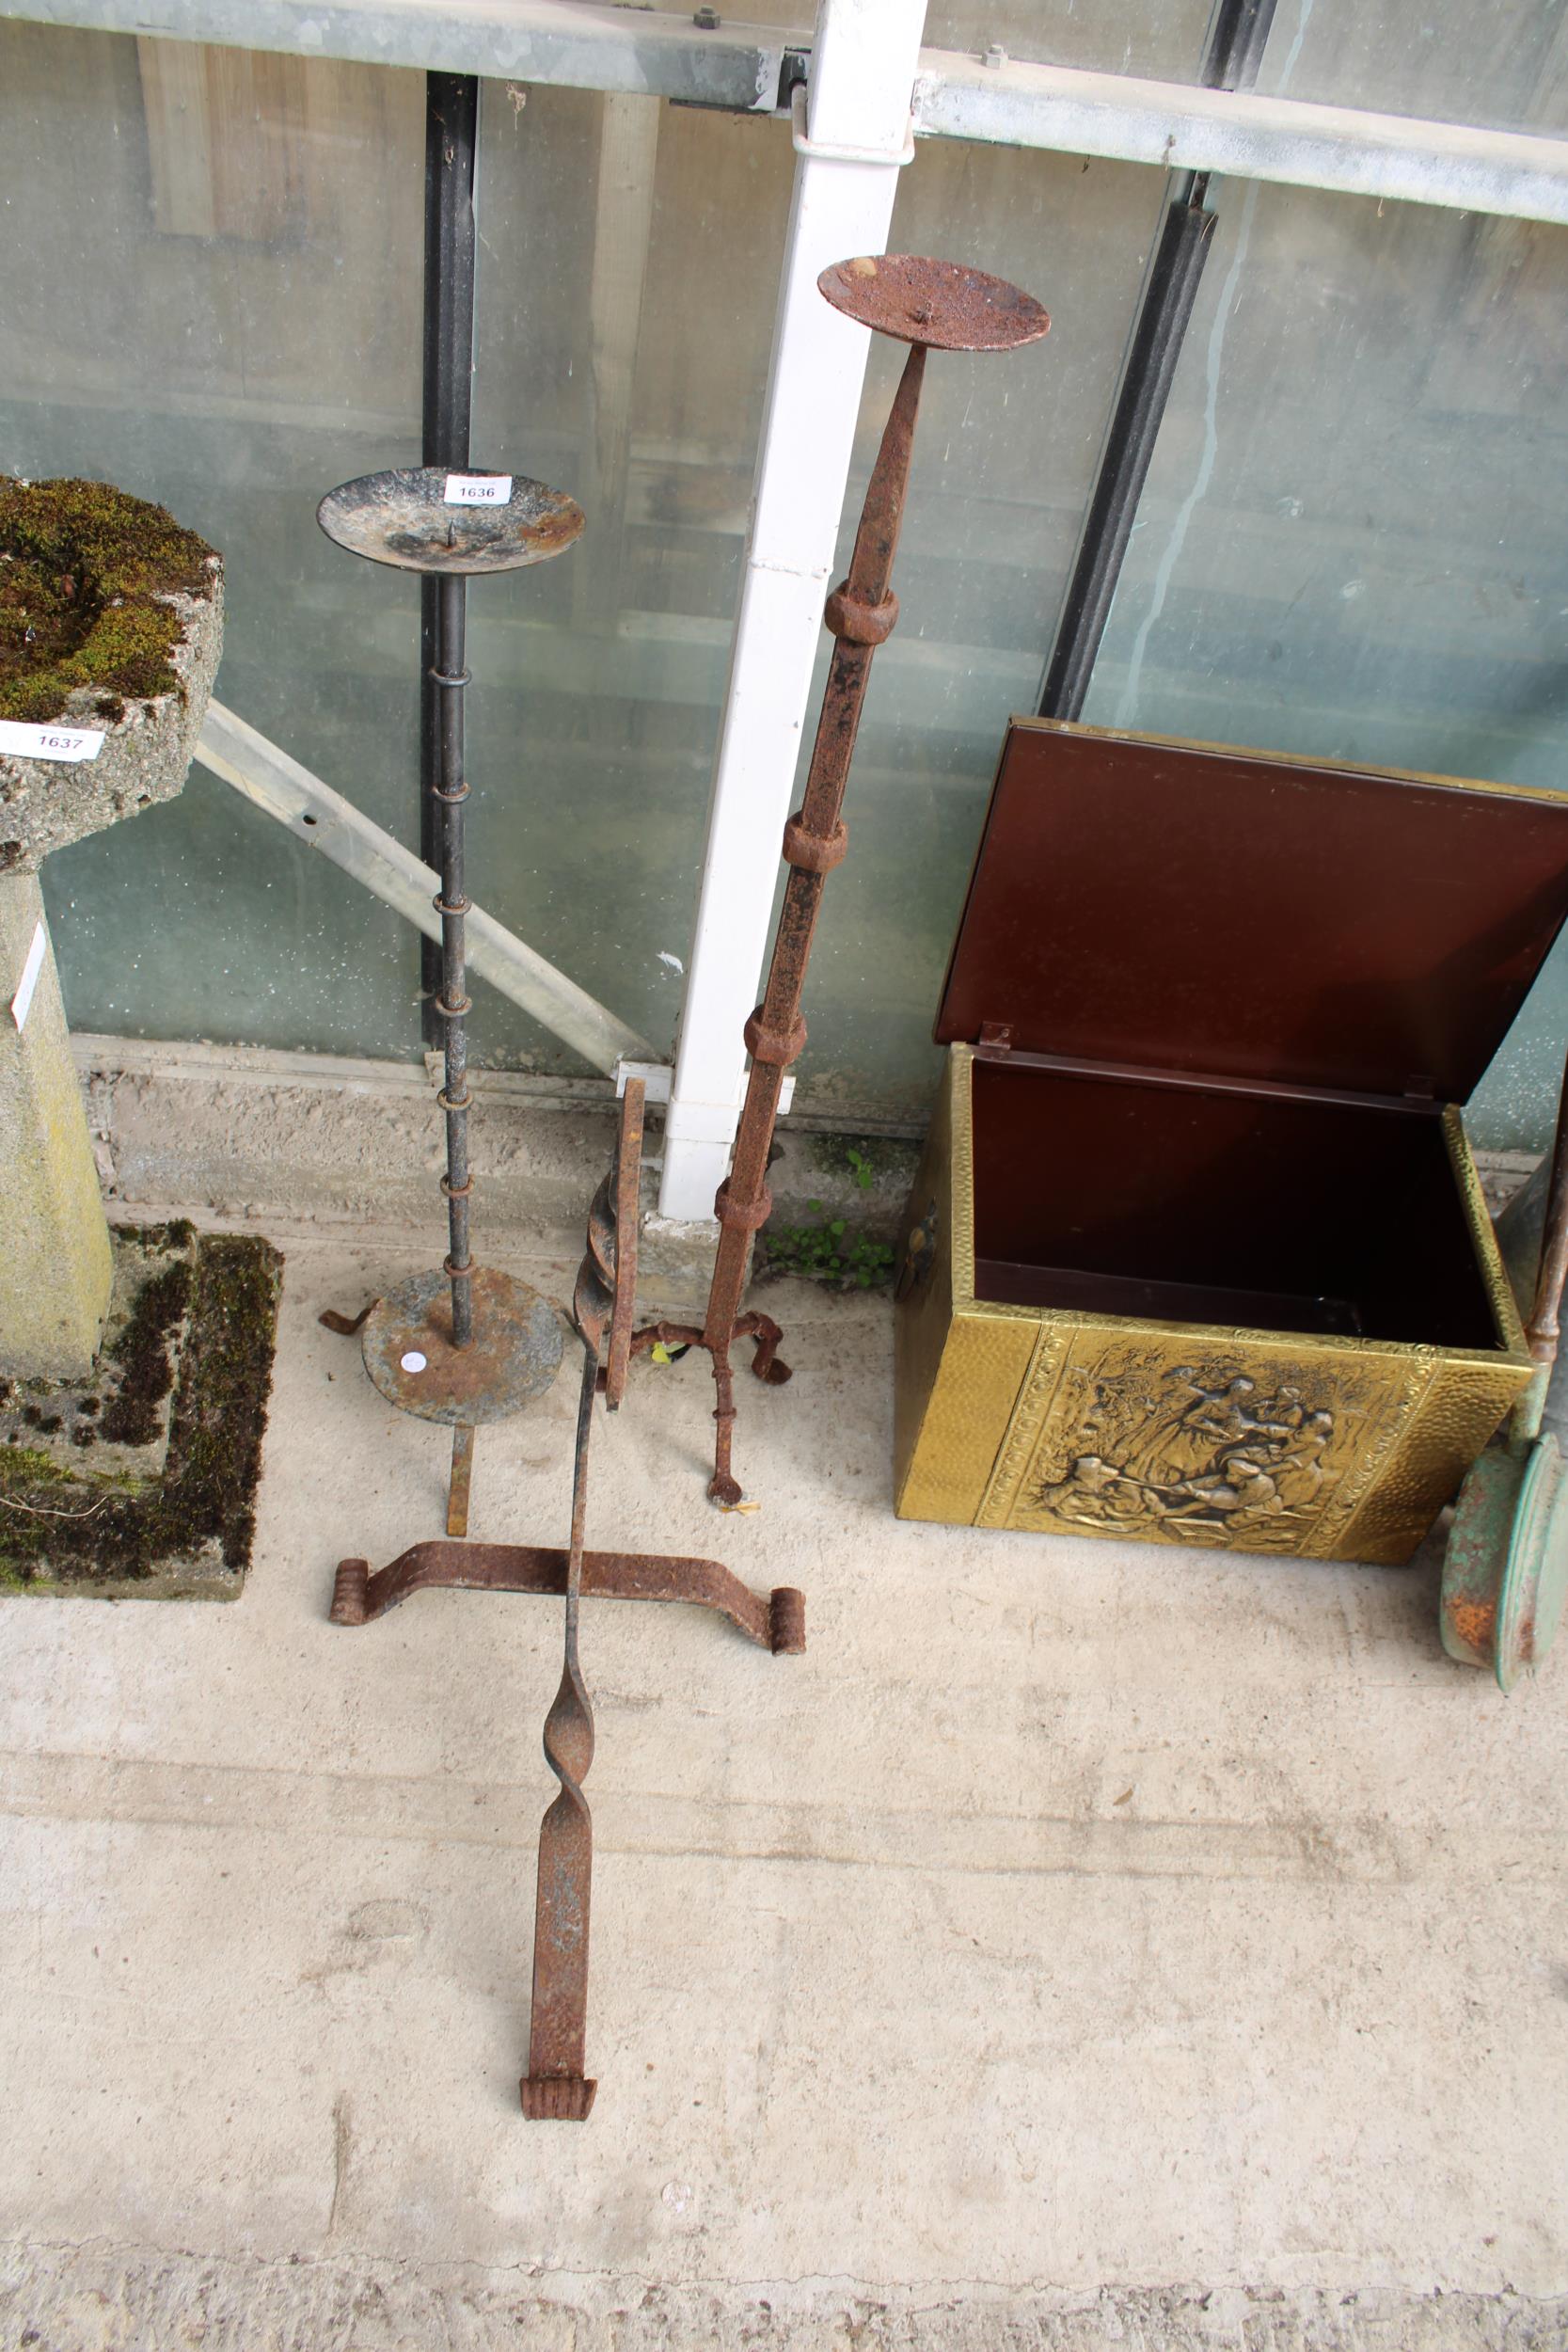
(555, 2088)
(931, 305)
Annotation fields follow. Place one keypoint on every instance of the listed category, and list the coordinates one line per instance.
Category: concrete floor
(1079, 1945)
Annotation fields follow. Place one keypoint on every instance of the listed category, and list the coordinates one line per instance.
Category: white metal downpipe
(858, 136)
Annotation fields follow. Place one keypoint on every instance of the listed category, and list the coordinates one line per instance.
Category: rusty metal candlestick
(931, 305)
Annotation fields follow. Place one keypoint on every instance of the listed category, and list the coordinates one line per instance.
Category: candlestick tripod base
(513, 1355)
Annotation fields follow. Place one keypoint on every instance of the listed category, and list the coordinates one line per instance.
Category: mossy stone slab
(186, 1535)
(112, 1426)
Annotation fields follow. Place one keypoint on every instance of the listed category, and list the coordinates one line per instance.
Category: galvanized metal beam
(662, 54)
(560, 43)
(1244, 136)
(321, 819)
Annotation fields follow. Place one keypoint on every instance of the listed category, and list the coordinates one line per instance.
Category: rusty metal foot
(762, 1328)
(349, 1605)
(775, 1621)
(556, 2098)
(344, 1325)
(767, 1334)
(462, 1479)
(787, 1621)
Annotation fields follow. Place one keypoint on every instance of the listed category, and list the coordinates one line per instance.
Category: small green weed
(828, 1251)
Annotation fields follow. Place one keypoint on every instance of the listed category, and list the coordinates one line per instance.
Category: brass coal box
(1197, 1252)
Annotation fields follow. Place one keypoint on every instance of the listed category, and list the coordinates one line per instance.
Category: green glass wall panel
(1350, 542)
(210, 253)
(1353, 542)
(629, 257)
(1004, 459)
(1505, 65)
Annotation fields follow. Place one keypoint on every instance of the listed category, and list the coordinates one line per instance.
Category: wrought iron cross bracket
(556, 2088)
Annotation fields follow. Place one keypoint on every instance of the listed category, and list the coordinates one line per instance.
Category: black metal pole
(451, 127)
(448, 794)
(1158, 333)
(1231, 57)
(1234, 50)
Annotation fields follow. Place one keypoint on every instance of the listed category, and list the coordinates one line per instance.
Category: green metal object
(1505, 1573)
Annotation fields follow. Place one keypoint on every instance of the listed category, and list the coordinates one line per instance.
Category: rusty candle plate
(940, 303)
(514, 1354)
(402, 519)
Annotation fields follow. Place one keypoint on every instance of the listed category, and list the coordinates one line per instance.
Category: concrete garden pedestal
(111, 624)
(135, 1366)
(55, 1269)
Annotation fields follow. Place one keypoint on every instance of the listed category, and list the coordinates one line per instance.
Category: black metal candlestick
(453, 1004)
(450, 172)
(467, 1345)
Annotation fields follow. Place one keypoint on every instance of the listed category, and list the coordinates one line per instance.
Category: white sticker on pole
(478, 489)
(22, 1003)
(50, 742)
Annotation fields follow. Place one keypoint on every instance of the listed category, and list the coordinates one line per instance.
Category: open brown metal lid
(1168, 905)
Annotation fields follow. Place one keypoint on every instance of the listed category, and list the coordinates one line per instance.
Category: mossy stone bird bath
(111, 624)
